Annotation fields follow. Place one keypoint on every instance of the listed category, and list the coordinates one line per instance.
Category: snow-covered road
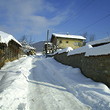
(39, 83)
(48, 91)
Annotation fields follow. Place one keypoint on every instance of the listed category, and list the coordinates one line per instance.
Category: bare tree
(85, 35)
(91, 37)
(23, 38)
(26, 38)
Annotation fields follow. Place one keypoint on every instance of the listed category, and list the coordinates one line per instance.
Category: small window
(66, 41)
(79, 44)
(60, 41)
(75, 43)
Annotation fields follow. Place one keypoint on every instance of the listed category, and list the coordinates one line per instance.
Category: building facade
(61, 41)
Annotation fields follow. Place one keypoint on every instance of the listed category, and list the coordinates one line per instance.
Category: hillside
(39, 46)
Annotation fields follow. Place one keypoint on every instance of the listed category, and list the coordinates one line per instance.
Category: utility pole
(47, 42)
(107, 34)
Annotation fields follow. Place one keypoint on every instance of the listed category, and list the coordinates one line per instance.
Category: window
(75, 44)
(60, 41)
(78, 44)
(66, 41)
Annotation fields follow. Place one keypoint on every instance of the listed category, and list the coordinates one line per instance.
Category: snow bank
(101, 50)
(80, 50)
(56, 52)
(5, 38)
(13, 84)
(68, 49)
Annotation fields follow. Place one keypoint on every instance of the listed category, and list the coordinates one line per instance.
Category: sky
(34, 17)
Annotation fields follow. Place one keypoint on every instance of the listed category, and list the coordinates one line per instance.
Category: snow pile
(80, 50)
(100, 50)
(59, 51)
(68, 49)
(5, 38)
(13, 85)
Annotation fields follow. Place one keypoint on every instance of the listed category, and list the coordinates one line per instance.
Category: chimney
(67, 33)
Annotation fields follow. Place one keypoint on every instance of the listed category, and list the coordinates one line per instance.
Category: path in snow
(37, 83)
(47, 91)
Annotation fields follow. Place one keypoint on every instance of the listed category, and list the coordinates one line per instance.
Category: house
(10, 48)
(61, 41)
(47, 48)
(27, 49)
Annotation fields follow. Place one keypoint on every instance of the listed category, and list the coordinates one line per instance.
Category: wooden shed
(10, 48)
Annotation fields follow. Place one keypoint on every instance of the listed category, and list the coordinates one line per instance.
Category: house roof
(101, 41)
(5, 38)
(69, 36)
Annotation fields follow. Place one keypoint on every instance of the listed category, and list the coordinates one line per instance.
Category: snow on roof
(80, 50)
(101, 50)
(105, 40)
(48, 43)
(68, 49)
(5, 38)
(29, 47)
(91, 51)
(69, 36)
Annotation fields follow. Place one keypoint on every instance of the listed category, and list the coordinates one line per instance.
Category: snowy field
(38, 83)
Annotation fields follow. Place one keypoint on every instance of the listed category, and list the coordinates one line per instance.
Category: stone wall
(94, 67)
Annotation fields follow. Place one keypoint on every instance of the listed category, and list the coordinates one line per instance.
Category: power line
(63, 4)
(94, 22)
(82, 9)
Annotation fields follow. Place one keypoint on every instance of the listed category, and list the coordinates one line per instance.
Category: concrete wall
(94, 67)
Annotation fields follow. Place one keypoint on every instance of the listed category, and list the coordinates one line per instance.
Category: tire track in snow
(52, 69)
(50, 91)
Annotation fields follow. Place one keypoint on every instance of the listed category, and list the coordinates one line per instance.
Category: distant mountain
(39, 46)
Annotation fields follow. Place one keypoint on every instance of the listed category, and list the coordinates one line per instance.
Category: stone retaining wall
(94, 67)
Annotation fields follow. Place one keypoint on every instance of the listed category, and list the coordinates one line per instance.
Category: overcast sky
(35, 17)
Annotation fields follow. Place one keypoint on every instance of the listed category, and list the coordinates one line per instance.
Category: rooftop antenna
(67, 33)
